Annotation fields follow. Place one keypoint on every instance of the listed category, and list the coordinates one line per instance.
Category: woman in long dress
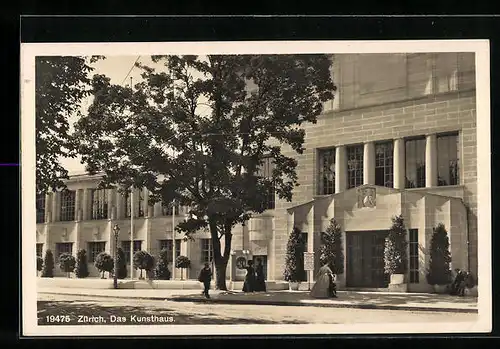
(260, 280)
(249, 284)
(324, 286)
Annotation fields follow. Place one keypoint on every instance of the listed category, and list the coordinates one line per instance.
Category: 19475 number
(58, 318)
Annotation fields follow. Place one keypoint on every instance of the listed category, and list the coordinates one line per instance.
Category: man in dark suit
(205, 277)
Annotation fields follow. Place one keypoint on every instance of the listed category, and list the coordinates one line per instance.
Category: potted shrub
(294, 253)
(439, 272)
(331, 250)
(48, 265)
(82, 268)
(395, 255)
(162, 271)
(182, 262)
(143, 261)
(39, 264)
(67, 263)
(104, 263)
(122, 264)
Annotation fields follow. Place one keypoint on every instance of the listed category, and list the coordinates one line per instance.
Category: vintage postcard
(238, 188)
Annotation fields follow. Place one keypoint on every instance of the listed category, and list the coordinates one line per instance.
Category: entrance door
(263, 259)
(365, 259)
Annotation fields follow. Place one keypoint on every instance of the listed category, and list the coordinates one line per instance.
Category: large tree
(205, 125)
(62, 83)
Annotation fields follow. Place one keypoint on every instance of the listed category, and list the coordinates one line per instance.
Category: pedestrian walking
(324, 287)
(249, 284)
(205, 277)
(260, 279)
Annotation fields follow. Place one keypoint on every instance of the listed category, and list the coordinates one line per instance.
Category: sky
(116, 68)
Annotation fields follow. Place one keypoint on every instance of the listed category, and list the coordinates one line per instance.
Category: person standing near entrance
(260, 279)
(249, 284)
(324, 287)
(205, 277)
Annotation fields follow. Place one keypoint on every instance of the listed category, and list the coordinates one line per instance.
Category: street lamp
(116, 230)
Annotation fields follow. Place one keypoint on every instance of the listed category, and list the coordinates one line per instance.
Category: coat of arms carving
(367, 197)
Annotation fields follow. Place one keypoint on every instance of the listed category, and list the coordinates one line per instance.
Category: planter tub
(397, 279)
(440, 289)
(293, 286)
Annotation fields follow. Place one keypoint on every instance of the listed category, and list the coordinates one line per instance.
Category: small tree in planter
(162, 271)
(332, 251)
(67, 263)
(439, 272)
(48, 265)
(395, 255)
(294, 253)
(82, 268)
(104, 263)
(39, 264)
(122, 264)
(182, 262)
(143, 261)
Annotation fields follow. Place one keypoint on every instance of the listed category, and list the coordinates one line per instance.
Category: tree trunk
(220, 259)
(220, 276)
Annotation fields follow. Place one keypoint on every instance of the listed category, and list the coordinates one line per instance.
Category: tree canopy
(198, 130)
(62, 82)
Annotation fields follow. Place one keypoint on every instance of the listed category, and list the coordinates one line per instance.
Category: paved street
(94, 310)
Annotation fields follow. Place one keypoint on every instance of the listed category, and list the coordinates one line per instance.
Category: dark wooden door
(263, 259)
(365, 259)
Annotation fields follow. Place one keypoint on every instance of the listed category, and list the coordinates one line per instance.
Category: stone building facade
(399, 138)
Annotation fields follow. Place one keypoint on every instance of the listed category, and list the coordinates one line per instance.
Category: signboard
(308, 260)
(241, 263)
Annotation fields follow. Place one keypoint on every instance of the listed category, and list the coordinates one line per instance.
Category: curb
(279, 303)
(323, 305)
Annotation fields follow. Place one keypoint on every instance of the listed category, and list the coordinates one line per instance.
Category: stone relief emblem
(367, 197)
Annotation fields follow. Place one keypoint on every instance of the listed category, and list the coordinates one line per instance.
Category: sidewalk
(346, 299)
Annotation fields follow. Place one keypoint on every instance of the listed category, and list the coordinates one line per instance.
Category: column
(431, 161)
(48, 211)
(340, 169)
(85, 204)
(55, 203)
(369, 163)
(157, 209)
(399, 164)
(78, 205)
(111, 203)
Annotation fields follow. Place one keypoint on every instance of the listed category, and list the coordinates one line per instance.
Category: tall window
(39, 250)
(300, 261)
(414, 264)
(142, 204)
(99, 199)
(40, 208)
(415, 163)
(126, 248)
(447, 156)
(354, 166)
(327, 171)
(266, 171)
(95, 247)
(167, 244)
(207, 253)
(127, 204)
(67, 212)
(63, 247)
(384, 164)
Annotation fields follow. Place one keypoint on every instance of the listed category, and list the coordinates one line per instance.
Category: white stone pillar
(369, 163)
(48, 211)
(86, 204)
(78, 205)
(340, 169)
(111, 203)
(56, 196)
(157, 209)
(399, 164)
(431, 161)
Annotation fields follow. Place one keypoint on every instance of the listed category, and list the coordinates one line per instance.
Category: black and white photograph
(281, 187)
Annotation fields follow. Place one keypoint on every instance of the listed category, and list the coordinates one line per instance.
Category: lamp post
(116, 230)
